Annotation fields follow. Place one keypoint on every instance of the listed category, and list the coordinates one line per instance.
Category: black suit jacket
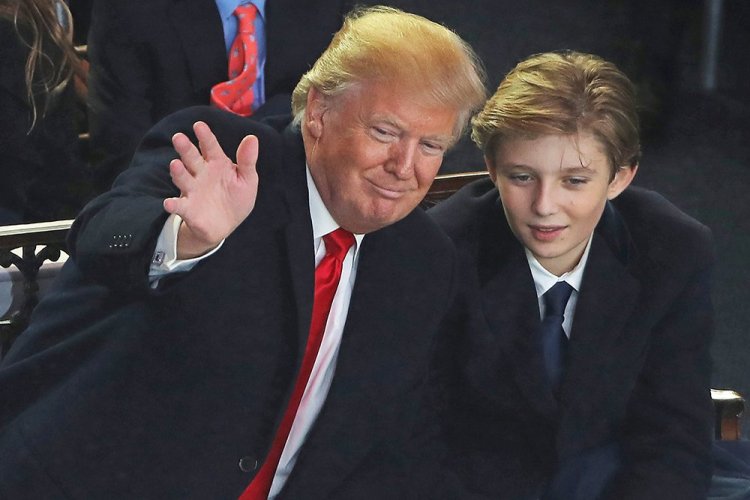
(638, 360)
(118, 390)
(150, 58)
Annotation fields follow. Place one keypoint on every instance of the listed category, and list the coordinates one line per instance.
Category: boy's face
(554, 189)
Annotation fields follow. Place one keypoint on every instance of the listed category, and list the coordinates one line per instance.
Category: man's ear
(314, 111)
(623, 177)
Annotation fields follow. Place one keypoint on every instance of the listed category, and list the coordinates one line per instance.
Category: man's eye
(382, 134)
(432, 148)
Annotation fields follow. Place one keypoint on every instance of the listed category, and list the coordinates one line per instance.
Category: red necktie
(327, 276)
(236, 95)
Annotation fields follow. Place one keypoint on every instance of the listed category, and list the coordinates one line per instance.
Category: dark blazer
(150, 58)
(638, 364)
(43, 177)
(118, 390)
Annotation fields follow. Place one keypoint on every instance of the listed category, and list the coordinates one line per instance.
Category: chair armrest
(728, 407)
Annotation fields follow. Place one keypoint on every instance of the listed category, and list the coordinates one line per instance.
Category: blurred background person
(150, 58)
(43, 176)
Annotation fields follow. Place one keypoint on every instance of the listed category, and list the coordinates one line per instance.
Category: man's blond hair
(383, 44)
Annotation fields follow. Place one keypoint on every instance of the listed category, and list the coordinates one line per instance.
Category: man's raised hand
(216, 195)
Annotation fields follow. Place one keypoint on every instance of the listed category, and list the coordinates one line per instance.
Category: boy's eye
(577, 181)
(520, 177)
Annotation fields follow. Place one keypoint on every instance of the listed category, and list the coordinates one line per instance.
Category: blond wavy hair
(563, 93)
(388, 45)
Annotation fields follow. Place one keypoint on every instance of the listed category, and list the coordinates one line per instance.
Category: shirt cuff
(164, 260)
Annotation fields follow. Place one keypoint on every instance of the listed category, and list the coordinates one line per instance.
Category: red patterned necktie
(236, 95)
(327, 276)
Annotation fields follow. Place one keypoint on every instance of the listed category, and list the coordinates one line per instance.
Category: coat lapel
(600, 336)
(200, 32)
(376, 368)
(608, 295)
(298, 236)
(510, 307)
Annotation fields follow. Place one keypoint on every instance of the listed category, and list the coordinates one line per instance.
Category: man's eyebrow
(447, 139)
(387, 120)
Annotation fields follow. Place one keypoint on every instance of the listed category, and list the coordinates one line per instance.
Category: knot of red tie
(338, 242)
(245, 15)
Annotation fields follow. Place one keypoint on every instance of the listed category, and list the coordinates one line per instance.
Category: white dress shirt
(165, 262)
(544, 280)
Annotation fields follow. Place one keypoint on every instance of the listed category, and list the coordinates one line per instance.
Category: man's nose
(403, 154)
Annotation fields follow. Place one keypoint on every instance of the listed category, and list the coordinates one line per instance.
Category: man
(140, 379)
(152, 58)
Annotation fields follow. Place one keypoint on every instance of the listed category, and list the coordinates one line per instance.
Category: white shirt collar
(544, 280)
(226, 7)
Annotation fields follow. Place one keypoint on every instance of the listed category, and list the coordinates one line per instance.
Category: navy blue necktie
(554, 340)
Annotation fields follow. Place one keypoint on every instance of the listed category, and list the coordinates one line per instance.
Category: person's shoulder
(466, 208)
(416, 236)
(659, 226)
(227, 127)
(138, 13)
(428, 228)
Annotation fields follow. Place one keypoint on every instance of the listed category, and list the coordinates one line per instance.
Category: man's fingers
(247, 156)
(174, 206)
(181, 177)
(209, 145)
(191, 157)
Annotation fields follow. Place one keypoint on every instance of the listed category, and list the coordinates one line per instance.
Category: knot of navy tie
(553, 335)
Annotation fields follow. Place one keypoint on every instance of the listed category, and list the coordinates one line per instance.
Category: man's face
(373, 152)
(554, 189)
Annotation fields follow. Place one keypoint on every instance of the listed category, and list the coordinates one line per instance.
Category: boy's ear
(623, 177)
(490, 164)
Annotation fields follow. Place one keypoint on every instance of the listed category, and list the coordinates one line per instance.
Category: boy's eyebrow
(570, 169)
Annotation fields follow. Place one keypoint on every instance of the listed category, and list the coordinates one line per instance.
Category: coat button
(248, 464)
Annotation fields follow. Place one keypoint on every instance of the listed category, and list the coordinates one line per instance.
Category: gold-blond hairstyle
(388, 45)
(51, 60)
(563, 93)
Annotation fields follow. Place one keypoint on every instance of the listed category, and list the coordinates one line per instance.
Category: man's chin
(374, 222)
